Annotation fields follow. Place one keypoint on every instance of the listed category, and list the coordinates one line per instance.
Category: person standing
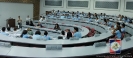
(19, 22)
(27, 20)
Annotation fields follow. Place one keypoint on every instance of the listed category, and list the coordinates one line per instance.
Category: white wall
(14, 10)
(109, 12)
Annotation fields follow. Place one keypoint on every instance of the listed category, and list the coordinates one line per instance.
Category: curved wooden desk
(65, 43)
(87, 51)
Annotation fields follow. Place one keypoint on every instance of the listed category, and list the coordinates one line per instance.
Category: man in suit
(68, 34)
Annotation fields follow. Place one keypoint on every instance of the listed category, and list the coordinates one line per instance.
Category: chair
(91, 33)
(122, 35)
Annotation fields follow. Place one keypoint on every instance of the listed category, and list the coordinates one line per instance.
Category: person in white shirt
(41, 18)
(19, 22)
(53, 11)
(62, 36)
(62, 17)
(8, 30)
(97, 20)
(27, 20)
(37, 35)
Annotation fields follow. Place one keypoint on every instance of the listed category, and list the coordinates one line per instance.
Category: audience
(31, 23)
(89, 19)
(97, 20)
(15, 29)
(46, 37)
(3, 31)
(69, 34)
(109, 23)
(24, 34)
(37, 35)
(29, 31)
(62, 17)
(123, 28)
(117, 24)
(62, 36)
(117, 32)
(8, 29)
(117, 29)
(57, 27)
(41, 19)
(39, 25)
(77, 34)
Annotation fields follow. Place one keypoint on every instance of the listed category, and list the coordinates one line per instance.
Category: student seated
(41, 19)
(77, 34)
(57, 27)
(77, 17)
(62, 17)
(126, 20)
(51, 16)
(69, 16)
(46, 37)
(117, 24)
(58, 12)
(104, 15)
(101, 16)
(109, 23)
(8, 29)
(105, 22)
(68, 34)
(89, 19)
(123, 28)
(83, 13)
(117, 32)
(24, 34)
(37, 35)
(97, 20)
(39, 25)
(15, 29)
(62, 36)
(31, 23)
(3, 31)
(29, 31)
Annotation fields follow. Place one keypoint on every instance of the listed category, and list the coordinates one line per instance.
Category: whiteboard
(14, 10)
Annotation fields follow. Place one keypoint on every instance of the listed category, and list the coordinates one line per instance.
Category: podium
(10, 22)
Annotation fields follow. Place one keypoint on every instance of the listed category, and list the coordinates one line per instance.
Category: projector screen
(14, 10)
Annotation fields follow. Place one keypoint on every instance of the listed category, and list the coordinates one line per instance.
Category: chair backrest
(123, 35)
(93, 30)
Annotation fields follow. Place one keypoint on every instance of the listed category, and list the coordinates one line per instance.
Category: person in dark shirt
(57, 27)
(69, 34)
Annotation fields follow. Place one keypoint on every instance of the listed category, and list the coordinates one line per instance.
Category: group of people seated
(7, 31)
(28, 33)
(118, 30)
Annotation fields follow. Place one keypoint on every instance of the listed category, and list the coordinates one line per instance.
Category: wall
(109, 12)
(14, 10)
